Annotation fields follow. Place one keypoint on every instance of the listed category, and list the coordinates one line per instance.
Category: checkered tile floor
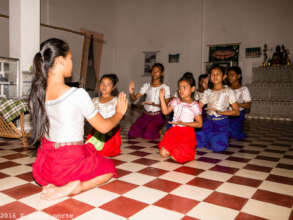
(253, 179)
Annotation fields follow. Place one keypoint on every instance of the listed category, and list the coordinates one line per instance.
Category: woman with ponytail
(64, 164)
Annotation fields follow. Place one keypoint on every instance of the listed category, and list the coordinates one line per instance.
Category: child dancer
(215, 131)
(187, 74)
(149, 124)
(179, 141)
(243, 99)
(107, 144)
(203, 84)
(64, 165)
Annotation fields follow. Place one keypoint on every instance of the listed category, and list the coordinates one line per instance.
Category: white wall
(170, 26)
(252, 23)
(163, 26)
(131, 27)
(91, 15)
(4, 29)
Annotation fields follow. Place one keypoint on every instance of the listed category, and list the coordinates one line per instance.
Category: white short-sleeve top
(218, 99)
(183, 111)
(176, 94)
(153, 95)
(242, 95)
(66, 115)
(198, 95)
(106, 109)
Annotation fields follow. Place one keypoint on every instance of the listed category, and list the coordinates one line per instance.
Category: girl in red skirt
(107, 144)
(179, 141)
(64, 165)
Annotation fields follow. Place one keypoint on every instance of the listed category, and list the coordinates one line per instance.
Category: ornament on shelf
(277, 56)
(265, 55)
(285, 55)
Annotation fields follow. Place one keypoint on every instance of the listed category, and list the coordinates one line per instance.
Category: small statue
(265, 55)
(277, 56)
(285, 53)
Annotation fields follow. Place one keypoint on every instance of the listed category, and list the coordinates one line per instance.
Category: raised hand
(122, 103)
(162, 93)
(131, 87)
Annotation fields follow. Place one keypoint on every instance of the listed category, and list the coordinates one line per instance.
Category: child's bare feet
(56, 192)
(173, 159)
(164, 153)
(47, 188)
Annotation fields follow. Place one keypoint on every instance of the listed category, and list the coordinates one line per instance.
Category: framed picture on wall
(174, 58)
(225, 55)
(253, 52)
(150, 58)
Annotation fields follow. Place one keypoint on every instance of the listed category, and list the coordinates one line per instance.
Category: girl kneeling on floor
(64, 165)
(149, 124)
(243, 99)
(215, 131)
(179, 141)
(107, 144)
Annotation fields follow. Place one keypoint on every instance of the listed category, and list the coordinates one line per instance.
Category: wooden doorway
(92, 48)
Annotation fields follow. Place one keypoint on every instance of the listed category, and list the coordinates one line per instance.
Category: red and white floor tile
(253, 179)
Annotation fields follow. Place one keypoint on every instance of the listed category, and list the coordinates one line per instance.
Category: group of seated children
(222, 116)
(65, 165)
(216, 110)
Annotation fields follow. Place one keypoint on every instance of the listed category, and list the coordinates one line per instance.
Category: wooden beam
(56, 28)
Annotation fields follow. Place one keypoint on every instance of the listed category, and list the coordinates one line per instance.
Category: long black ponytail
(43, 61)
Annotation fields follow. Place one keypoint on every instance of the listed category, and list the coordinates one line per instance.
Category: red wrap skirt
(112, 144)
(180, 142)
(64, 164)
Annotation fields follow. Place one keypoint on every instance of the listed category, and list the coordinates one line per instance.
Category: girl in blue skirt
(243, 99)
(214, 134)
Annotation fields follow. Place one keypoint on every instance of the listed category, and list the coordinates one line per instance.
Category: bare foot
(164, 153)
(56, 192)
(46, 188)
(173, 159)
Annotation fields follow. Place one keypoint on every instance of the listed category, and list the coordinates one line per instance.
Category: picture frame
(224, 53)
(174, 58)
(149, 60)
(253, 52)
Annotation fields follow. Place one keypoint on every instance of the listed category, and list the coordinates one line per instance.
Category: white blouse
(218, 99)
(153, 95)
(242, 95)
(198, 95)
(66, 115)
(183, 111)
(107, 109)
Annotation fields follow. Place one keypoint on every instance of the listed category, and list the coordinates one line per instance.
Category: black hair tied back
(42, 63)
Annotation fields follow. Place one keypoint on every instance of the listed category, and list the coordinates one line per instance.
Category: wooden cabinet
(9, 78)
(14, 88)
